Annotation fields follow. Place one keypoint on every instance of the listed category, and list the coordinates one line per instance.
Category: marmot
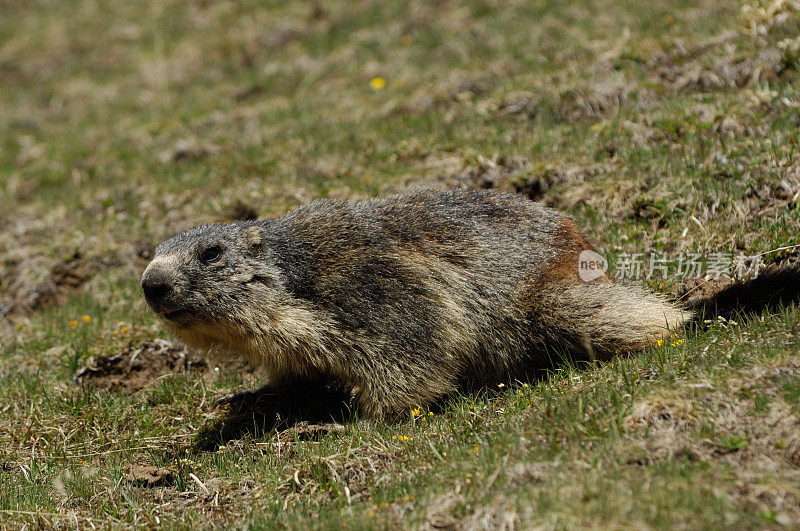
(403, 299)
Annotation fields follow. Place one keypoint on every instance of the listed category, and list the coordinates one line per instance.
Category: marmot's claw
(224, 400)
(236, 400)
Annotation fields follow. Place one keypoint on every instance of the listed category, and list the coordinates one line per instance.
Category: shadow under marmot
(257, 413)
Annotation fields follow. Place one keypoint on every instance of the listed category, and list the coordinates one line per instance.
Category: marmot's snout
(159, 284)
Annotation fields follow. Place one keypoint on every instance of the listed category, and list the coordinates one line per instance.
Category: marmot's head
(211, 277)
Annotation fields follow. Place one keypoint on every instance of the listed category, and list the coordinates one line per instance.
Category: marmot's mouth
(176, 316)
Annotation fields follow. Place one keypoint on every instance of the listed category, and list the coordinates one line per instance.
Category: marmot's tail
(772, 288)
(600, 320)
(603, 319)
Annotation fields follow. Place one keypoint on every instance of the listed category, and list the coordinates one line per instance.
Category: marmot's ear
(253, 236)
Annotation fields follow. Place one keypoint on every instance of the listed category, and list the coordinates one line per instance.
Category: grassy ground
(671, 127)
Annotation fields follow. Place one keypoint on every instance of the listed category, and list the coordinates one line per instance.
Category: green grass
(123, 123)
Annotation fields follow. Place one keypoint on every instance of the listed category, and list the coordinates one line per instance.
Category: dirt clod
(138, 367)
(148, 475)
(65, 277)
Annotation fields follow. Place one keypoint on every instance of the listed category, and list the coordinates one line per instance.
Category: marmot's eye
(211, 255)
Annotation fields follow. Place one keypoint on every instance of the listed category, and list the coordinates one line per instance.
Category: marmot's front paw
(225, 400)
(244, 399)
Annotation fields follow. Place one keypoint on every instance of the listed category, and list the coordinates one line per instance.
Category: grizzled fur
(400, 300)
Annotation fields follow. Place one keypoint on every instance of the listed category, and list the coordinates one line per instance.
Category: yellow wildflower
(377, 83)
(73, 324)
(86, 319)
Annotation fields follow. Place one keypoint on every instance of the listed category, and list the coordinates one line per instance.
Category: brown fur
(400, 300)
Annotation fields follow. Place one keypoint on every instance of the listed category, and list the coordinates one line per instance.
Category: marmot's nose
(156, 284)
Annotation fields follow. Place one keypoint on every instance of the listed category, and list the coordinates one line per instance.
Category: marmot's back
(398, 260)
(401, 299)
(463, 228)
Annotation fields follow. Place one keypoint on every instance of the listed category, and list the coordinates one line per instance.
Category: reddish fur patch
(562, 271)
(564, 267)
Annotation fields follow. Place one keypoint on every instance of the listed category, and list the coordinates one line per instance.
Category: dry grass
(669, 128)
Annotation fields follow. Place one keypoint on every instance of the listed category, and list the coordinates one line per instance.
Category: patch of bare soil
(139, 366)
(25, 294)
(65, 277)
